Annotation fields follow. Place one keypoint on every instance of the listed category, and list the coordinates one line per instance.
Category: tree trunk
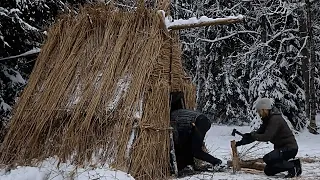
(201, 73)
(304, 59)
(264, 36)
(312, 116)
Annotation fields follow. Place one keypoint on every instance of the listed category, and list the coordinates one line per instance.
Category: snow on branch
(228, 36)
(279, 34)
(31, 52)
(202, 21)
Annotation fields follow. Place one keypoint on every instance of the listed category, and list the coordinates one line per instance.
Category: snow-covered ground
(218, 141)
(48, 170)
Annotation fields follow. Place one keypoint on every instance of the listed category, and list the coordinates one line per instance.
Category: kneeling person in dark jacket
(190, 130)
(276, 130)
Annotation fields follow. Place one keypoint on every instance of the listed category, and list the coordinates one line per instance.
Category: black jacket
(182, 120)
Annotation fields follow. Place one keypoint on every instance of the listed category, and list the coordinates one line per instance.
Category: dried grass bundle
(102, 77)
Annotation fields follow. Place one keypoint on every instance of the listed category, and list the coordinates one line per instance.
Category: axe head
(233, 132)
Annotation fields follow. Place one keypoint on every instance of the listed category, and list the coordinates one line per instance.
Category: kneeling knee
(268, 172)
(266, 159)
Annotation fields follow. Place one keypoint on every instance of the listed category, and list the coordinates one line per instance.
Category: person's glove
(246, 139)
(247, 136)
(252, 135)
(239, 143)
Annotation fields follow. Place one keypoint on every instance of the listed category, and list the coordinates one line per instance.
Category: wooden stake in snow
(235, 157)
(173, 154)
(202, 21)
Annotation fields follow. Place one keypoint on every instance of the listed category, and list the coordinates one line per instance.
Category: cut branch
(28, 53)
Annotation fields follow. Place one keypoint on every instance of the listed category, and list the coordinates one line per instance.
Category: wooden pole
(221, 21)
(173, 154)
(235, 157)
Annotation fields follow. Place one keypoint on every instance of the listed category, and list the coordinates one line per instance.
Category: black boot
(187, 171)
(220, 167)
(203, 167)
(297, 164)
(291, 173)
(296, 170)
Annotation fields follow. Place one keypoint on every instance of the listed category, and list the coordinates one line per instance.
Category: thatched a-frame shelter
(101, 87)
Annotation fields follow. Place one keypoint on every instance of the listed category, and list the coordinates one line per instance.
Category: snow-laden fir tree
(215, 69)
(16, 37)
(23, 26)
(275, 69)
(316, 30)
(234, 65)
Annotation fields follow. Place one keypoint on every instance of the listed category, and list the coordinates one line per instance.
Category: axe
(234, 132)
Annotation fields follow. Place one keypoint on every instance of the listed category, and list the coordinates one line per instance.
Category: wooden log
(259, 165)
(256, 164)
(260, 160)
(235, 157)
(251, 171)
(252, 165)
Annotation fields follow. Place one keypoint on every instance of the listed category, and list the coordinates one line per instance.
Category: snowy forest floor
(218, 142)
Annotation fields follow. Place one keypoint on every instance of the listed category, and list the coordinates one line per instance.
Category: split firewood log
(256, 164)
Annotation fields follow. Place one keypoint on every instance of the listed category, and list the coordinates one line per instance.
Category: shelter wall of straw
(102, 76)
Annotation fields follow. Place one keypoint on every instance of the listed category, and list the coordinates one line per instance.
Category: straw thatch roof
(101, 87)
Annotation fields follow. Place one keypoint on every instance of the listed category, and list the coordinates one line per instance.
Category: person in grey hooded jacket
(276, 130)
